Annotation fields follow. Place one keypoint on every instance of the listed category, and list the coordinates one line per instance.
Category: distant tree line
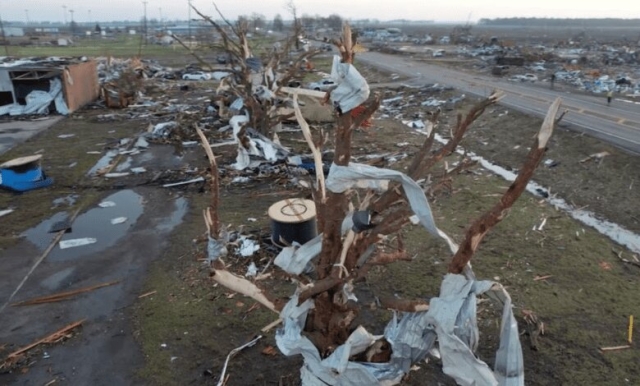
(557, 22)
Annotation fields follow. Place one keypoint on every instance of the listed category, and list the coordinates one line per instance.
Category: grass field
(122, 46)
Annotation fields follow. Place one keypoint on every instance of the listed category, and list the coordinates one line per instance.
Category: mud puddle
(103, 162)
(95, 223)
(181, 206)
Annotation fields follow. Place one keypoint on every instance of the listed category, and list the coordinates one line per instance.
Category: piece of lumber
(63, 295)
(51, 338)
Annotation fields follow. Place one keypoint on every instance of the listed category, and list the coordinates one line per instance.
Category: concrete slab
(15, 132)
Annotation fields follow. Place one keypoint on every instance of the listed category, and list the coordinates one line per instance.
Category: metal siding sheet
(5, 81)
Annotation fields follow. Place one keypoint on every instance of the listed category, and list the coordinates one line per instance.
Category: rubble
(70, 85)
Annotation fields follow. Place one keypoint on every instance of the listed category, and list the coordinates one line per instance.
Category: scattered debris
(252, 270)
(193, 181)
(233, 353)
(63, 295)
(595, 156)
(118, 220)
(248, 247)
(5, 212)
(614, 348)
(144, 295)
(64, 244)
(270, 350)
(56, 337)
(116, 175)
(635, 260)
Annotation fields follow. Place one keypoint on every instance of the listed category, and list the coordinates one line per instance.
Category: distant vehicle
(323, 85)
(538, 67)
(196, 76)
(438, 53)
(524, 78)
(326, 47)
(223, 59)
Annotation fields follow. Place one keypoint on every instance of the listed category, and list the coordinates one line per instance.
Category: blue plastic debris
(23, 174)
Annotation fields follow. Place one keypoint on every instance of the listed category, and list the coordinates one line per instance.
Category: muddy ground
(181, 333)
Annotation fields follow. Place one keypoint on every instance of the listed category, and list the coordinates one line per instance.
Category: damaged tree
(254, 80)
(319, 318)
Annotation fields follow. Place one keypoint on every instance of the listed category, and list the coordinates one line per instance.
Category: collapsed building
(41, 86)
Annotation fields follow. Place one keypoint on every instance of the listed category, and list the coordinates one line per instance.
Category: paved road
(618, 124)
(15, 132)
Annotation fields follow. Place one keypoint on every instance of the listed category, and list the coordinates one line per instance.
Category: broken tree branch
(213, 223)
(317, 156)
(243, 286)
(63, 295)
(484, 224)
(404, 305)
(51, 338)
(319, 287)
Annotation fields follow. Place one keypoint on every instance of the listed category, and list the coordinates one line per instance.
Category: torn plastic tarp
(38, 101)
(451, 318)
(352, 89)
(163, 129)
(215, 250)
(294, 259)
(342, 178)
(258, 145)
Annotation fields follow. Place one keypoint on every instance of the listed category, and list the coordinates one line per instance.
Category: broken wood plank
(144, 295)
(303, 91)
(615, 348)
(51, 338)
(63, 295)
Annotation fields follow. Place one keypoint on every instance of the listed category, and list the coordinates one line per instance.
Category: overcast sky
(439, 10)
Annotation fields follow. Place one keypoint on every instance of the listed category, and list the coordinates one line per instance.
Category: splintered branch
(243, 286)
(370, 107)
(484, 224)
(404, 305)
(319, 287)
(317, 156)
(49, 339)
(211, 216)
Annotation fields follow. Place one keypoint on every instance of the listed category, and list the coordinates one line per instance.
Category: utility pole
(4, 38)
(71, 11)
(26, 12)
(145, 22)
(89, 19)
(64, 13)
(189, 1)
(161, 19)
